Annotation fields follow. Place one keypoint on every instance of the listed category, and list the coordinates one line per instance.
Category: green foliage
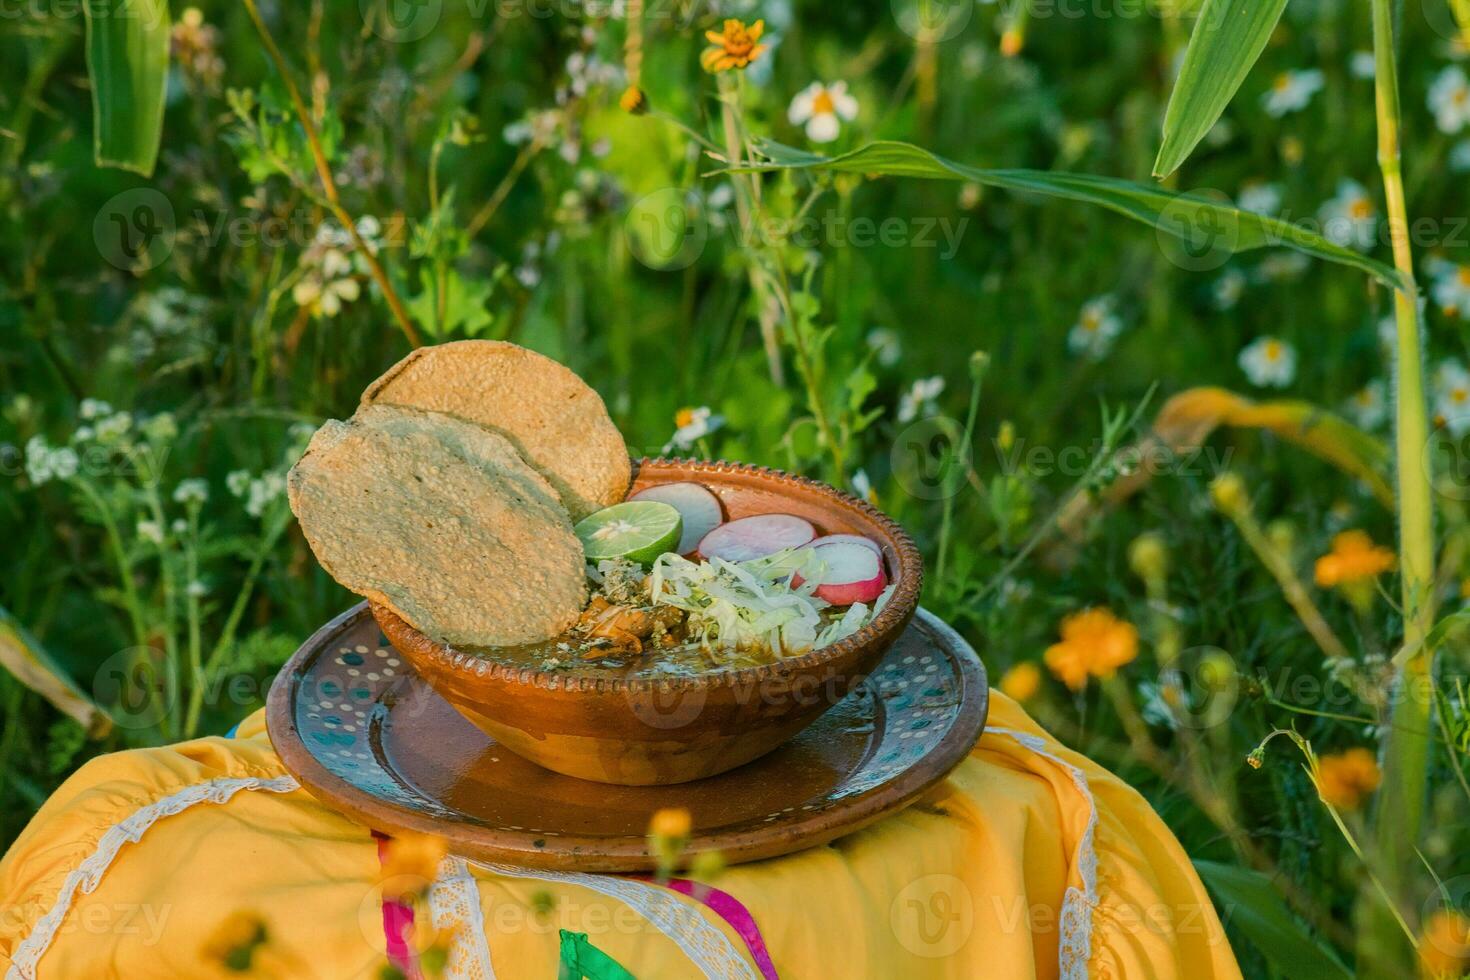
(1252, 904)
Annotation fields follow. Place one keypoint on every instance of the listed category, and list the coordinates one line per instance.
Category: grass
(595, 236)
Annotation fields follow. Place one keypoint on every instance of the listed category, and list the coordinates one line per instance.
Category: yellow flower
(1444, 951)
(732, 47)
(634, 100)
(1346, 779)
(1094, 643)
(1353, 558)
(233, 943)
(1229, 493)
(411, 856)
(1021, 682)
(671, 822)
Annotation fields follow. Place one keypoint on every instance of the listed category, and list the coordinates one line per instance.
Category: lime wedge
(638, 530)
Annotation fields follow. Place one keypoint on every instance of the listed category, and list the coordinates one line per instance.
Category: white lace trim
(454, 905)
(709, 948)
(1075, 945)
(87, 875)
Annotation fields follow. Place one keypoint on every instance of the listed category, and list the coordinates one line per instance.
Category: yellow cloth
(969, 882)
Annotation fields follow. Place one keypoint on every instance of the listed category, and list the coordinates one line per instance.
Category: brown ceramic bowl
(639, 731)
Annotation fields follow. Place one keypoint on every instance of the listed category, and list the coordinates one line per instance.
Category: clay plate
(353, 721)
(622, 729)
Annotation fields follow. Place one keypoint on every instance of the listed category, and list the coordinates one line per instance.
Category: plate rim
(628, 854)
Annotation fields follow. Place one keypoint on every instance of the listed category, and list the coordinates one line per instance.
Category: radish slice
(699, 508)
(854, 538)
(756, 537)
(854, 573)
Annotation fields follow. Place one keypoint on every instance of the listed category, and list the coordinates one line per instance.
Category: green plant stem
(946, 517)
(191, 606)
(1291, 586)
(746, 190)
(1399, 814)
(329, 183)
(232, 621)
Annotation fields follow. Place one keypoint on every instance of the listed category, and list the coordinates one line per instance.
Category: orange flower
(1353, 558)
(670, 822)
(1021, 682)
(1346, 779)
(733, 47)
(1444, 950)
(1094, 643)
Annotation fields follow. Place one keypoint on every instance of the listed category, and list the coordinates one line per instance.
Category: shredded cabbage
(753, 605)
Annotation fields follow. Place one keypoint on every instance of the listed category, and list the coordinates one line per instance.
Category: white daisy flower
(1449, 99)
(1349, 218)
(863, 486)
(197, 589)
(1452, 291)
(1096, 328)
(822, 109)
(1452, 396)
(1260, 197)
(693, 424)
(920, 399)
(1268, 362)
(1363, 65)
(1229, 288)
(1291, 91)
(1369, 405)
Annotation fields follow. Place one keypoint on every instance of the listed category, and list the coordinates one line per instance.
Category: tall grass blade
(1228, 38)
(127, 60)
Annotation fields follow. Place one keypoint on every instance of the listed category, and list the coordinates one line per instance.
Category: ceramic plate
(360, 730)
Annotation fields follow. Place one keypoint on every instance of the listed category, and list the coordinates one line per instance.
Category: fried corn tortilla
(558, 423)
(443, 521)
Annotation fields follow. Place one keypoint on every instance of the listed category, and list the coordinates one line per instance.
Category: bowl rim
(896, 613)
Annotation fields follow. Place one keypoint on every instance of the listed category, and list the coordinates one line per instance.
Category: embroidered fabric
(1075, 924)
(708, 947)
(454, 905)
(88, 874)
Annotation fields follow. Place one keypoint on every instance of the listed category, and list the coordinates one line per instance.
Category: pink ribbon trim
(735, 914)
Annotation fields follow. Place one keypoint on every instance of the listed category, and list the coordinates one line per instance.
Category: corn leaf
(1201, 223)
(1228, 37)
(127, 60)
(1249, 902)
(1187, 420)
(27, 660)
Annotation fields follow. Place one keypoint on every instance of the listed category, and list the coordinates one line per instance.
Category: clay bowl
(645, 731)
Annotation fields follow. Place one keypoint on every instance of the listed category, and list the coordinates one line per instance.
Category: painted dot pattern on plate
(346, 692)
